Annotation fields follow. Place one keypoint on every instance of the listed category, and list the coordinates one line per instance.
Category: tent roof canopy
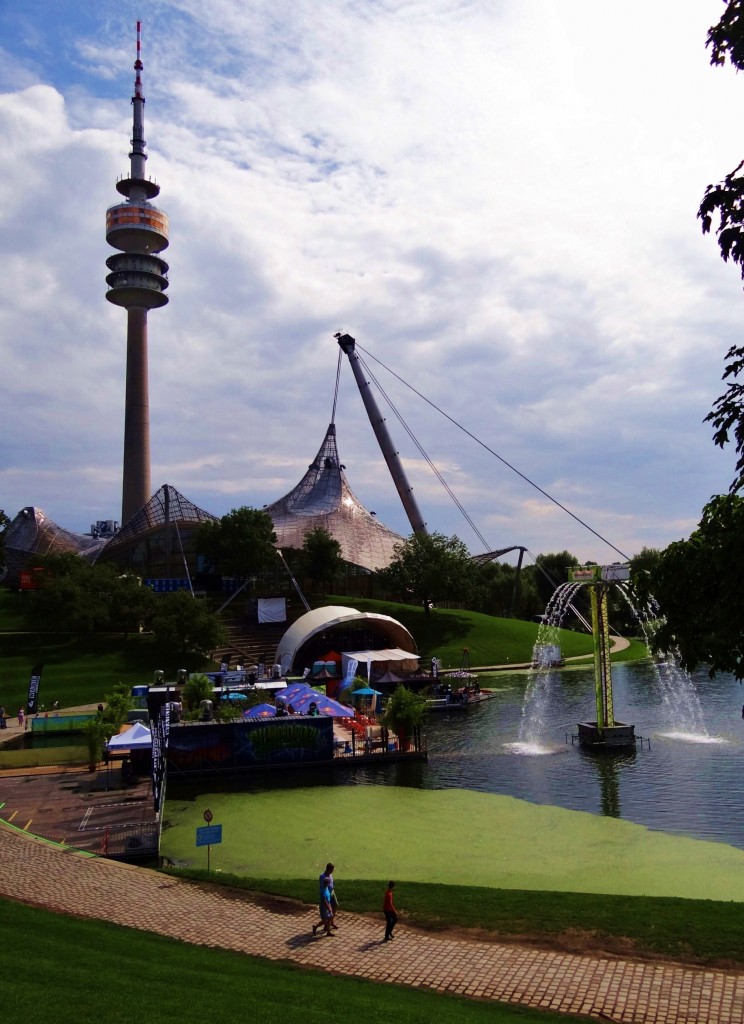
(387, 654)
(136, 738)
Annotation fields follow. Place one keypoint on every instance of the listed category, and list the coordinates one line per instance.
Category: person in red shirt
(388, 909)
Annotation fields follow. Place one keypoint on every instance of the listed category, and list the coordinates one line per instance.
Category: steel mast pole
(390, 453)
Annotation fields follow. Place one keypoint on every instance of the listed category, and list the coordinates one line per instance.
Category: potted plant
(403, 715)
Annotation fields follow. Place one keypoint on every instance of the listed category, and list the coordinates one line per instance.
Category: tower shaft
(136, 475)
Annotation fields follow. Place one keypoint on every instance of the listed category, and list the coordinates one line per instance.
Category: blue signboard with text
(208, 835)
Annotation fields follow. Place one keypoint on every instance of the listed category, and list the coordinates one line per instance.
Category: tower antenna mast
(137, 281)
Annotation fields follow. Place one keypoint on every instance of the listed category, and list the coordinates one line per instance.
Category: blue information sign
(208, 835)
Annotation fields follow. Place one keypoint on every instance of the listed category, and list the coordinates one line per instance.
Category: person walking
(21, 717)
(326, 911)
(329, 869)
(391, 914)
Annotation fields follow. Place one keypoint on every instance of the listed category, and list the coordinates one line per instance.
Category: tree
(404, 713)
(698, 582)
(321, 557)
(131, 604)
(76, 597)
(726, 38)
(645, 561)
(99, 730)
(724, 202)
(184, 624)
(198, 688)
(4, 524)
(699, 587)
(240, 543)
(497, 588)
(550, 571)
(431, 568)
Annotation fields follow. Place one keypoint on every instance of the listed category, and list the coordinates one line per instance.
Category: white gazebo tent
(136, 738)
(382, 660)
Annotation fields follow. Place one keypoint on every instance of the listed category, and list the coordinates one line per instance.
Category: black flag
(33, 689)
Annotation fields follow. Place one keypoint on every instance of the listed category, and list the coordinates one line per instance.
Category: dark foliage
(698, 583)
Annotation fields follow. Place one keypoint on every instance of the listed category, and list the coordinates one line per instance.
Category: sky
(496, 198)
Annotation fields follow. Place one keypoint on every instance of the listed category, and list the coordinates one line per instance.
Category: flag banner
(351, 666)
(33, 690)
(160, 731)
(156, 764)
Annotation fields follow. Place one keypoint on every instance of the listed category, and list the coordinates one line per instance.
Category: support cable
(423, 453)
(335, 393)
(499, 457)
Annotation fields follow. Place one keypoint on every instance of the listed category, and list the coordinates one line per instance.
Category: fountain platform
(608, 737)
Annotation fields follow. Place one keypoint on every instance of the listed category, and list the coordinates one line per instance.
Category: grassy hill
(81, 669)
(77, 669)
(490, 640)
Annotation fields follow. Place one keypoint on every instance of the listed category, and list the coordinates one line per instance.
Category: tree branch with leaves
(722, 210)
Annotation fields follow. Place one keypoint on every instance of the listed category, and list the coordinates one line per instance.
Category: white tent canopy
(405, 661)
(136, 738)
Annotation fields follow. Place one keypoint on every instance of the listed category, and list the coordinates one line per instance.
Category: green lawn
(11, 609)
(58, 970)
(80, 670)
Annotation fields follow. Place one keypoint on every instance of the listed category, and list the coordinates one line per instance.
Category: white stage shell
(321, 620)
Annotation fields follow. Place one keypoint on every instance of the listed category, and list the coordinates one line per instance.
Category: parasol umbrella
(365, 691)
(260, 711)
(327, 707)
(289, 693)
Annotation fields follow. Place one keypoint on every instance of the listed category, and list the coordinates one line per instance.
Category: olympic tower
(137, 281)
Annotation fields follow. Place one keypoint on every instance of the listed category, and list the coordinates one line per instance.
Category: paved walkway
(633, 992)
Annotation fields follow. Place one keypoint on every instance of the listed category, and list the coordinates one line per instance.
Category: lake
(680, 780)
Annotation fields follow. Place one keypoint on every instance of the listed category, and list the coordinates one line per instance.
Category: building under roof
(158, 541)
(324, 499)
(33, 533)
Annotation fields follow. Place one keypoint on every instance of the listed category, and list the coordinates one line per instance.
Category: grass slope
(80, 670)
(58, 970)
(490, 640)
(446, 837)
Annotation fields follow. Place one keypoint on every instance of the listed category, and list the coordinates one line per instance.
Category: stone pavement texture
(38, 873)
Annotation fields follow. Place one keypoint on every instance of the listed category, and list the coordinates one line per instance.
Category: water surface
(680, 779)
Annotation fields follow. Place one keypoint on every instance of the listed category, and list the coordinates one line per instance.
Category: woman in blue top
(326, 910)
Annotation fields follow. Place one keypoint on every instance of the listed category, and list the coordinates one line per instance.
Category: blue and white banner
(160, 731)
(33, 689)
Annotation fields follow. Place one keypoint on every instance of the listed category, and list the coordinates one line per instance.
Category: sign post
(208, 835)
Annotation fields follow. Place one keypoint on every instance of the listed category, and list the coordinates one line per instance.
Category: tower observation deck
(137, 281)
